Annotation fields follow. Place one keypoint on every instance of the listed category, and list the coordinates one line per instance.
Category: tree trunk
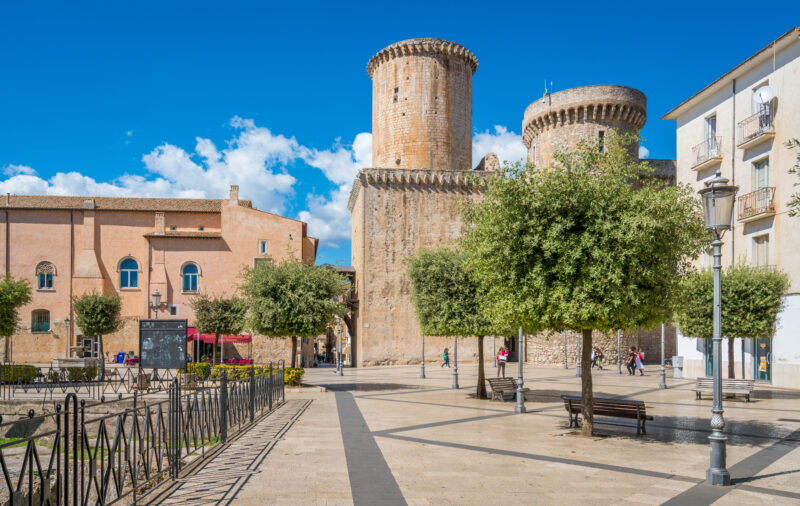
(214, 351)
(102, 359)
(587, 427)
(481, 392)
(731, 368)
(294, 352)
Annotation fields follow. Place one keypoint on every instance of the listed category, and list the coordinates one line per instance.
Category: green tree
(293, 298)
(794, 203)
(220, 316)
(751, 300)
(14, 293)
(594, 242)
(448, 301)
(97, 315)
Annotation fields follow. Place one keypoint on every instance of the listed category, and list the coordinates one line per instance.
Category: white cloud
(506, 144)
(644, 152)
(256, 159)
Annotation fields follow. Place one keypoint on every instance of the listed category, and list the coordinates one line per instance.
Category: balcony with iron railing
(758, 204)
(706, 154)
(757, 128)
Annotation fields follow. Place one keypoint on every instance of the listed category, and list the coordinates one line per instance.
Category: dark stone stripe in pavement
(545, 458)
(371, 480)
(741, 472)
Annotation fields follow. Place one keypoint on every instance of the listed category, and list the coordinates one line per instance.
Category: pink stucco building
(67, 246)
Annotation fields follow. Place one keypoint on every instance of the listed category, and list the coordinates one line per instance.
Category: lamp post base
(422, 372)
(717, 474)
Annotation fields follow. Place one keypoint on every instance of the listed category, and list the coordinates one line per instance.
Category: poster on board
(162, 344)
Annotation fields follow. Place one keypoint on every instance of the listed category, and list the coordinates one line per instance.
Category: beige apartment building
(67, 246)
(739, 126)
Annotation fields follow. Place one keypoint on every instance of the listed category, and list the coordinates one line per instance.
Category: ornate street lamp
(718, 198)
(156, 302)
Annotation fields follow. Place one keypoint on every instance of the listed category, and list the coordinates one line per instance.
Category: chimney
(160, 225)
(234, 195)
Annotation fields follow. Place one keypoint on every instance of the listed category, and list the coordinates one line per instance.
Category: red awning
(209, 338)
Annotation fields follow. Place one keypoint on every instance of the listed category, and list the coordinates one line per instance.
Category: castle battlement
(422, 47)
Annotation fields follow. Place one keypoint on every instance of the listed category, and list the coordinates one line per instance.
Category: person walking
(502, 358)
(630, 363)
(597, 356)
(639, 360)
(446, 358)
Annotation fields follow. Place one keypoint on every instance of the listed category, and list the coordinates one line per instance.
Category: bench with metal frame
(618, 408)
(730, 386)
(504, 389)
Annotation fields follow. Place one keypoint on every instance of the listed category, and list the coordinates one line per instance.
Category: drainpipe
(71, 274)
(733, 166)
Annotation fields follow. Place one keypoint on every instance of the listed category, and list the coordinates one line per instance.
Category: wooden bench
(618, 408)
(730, 386)
(504, 389)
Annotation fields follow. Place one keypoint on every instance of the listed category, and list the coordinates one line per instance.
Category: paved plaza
(385, 436)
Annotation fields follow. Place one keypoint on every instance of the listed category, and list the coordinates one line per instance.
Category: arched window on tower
(45, 272)
(190, 273)
(129, 273)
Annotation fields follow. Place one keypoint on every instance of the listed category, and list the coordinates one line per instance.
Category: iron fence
(758, 202)
(706, 150)
(756, 125)
(119, 451)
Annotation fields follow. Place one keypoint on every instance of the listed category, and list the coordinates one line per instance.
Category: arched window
(44, 275)
(190, 273)
(40, 321)
(129, 273)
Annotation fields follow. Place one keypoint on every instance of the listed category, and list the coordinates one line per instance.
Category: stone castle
(412, 196)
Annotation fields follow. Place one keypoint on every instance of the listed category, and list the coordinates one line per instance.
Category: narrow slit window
(601, 135)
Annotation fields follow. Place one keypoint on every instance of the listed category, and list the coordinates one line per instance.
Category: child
(630, 364)
(640, 363)
(597, 356)
(446, 357)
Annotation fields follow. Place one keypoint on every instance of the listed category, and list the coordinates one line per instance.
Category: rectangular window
(45, 281)
(761, 251)
(601, 136)
(760, 174)
(190, 282)
(711, 127)
(173, 310)
(129, 279)
(263, 247)
(41, 321)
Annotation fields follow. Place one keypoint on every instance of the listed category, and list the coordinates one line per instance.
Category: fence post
(252, 393)
(283, 380)
(271, 385)
(223, 401)
(74, 449)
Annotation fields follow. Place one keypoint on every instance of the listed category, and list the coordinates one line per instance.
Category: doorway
(762, 363)
(91, 347)
(511, 345)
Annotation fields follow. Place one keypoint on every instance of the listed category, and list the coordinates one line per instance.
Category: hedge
(202, 369)
(235, 372)
(17, 373)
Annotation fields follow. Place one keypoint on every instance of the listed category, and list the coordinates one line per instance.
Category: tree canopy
(751, 301)
(446, 296)
(14, 293)
(219, 315)
(448, 299)
(293, 298)
(595, 241)
(97, 314)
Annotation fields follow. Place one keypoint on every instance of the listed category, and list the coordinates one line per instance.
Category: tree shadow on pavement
(366, 387)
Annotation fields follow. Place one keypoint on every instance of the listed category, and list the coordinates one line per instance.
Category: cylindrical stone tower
(558, 121)
(422, 105)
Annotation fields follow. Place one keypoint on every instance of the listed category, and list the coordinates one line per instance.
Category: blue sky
(186, 98)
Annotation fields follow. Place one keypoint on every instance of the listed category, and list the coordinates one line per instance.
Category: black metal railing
(706, 150)
(120, 451)
(756, 125)
(758, 202)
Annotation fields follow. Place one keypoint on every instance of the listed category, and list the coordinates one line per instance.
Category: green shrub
(201, 369)
(293, 376)
(234, 372)
(76, 374)
(17, 373)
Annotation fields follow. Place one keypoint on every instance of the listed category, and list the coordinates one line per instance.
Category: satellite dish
(764, 94)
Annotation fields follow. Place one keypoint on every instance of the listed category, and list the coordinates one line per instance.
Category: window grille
(40, 321)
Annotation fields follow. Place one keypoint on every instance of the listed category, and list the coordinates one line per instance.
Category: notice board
(162, 343)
